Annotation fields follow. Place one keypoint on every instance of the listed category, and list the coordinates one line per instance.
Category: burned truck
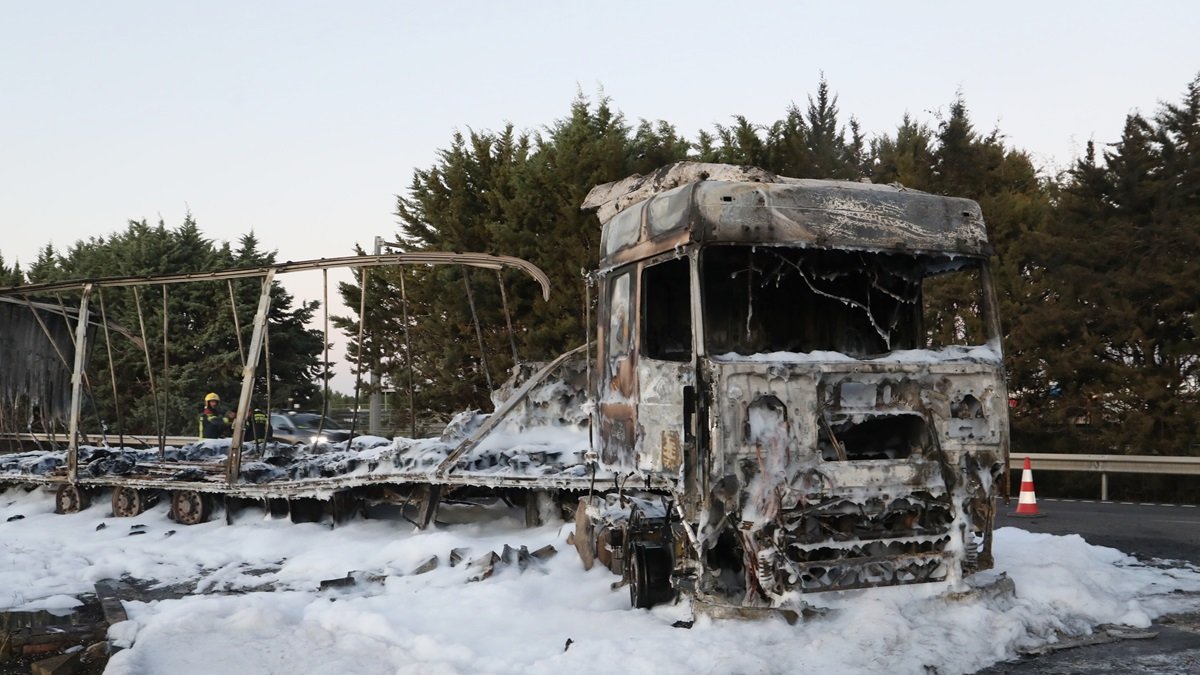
(795, 387)
(815, 364)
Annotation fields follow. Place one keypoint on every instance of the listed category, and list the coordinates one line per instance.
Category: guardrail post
(1103, 487)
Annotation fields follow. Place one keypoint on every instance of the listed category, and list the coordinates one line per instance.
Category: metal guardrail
(1106, 464)
(1047, 461)
(130, 440)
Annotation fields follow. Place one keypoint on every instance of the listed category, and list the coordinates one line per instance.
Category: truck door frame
(617, 349)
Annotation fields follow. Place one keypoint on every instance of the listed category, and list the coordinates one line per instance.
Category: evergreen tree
(44, 267)
(741, 144)
(906, 158)
(510, 194)
(1119, 332)
(804, 144)
(830, 156)
(11, 276)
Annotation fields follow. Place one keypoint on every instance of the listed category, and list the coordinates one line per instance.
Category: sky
(302, 121)
(256, 605)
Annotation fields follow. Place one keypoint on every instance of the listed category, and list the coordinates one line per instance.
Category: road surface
(1144, 530)
(1147, 531)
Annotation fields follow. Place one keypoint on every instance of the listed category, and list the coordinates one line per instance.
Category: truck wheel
(71, 498)
(649, 576)
(190, 507)
(128, 502)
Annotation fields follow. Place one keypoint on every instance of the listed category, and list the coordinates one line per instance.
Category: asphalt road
(1146, 531)
(1143, 530)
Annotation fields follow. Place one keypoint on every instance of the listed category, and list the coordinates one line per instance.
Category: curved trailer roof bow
(483, 260)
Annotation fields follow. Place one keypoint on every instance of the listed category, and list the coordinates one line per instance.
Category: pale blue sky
(302, 120)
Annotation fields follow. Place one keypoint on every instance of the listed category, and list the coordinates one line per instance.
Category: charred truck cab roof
(794, 212)
(818, 365)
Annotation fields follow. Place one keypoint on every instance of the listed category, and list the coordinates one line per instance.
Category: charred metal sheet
(835, 478)
(609, 199)
(579, 479)
(660, 409)
(517, 398)
(36, 355)
(840, 215)
(689, 203)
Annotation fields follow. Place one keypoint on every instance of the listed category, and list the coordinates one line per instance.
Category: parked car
(301, 427)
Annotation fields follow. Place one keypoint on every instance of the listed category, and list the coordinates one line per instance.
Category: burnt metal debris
(772, 405)
(36, 353)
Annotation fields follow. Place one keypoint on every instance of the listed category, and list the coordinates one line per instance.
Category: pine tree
(45, 267)
(830, 156)
(906, 158)
(10, 276)
(804, 144)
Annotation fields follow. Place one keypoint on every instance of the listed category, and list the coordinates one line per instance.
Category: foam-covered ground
(257, 606)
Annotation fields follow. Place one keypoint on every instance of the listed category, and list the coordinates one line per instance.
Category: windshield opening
(762, 299)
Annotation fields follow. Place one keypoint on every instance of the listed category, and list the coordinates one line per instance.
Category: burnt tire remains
(71, 498)
(128, 502)
(649, 576)
(190, 507)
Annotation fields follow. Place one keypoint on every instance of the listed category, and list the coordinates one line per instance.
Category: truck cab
(817, 365)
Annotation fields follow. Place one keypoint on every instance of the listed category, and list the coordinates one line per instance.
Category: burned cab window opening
(666, 307)
(763, 299)
(953, 308)
(619, 308)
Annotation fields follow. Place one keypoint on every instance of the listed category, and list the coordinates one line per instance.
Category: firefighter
(213, 422)
(260, 426)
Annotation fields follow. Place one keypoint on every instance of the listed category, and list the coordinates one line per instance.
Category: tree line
(1096, 265)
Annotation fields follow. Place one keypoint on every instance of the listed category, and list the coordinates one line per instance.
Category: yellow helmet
(211, 397)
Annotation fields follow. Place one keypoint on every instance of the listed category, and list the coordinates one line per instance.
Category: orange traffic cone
(1027, 502)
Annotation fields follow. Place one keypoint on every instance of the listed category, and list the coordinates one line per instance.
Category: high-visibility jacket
(213, 423)
(260, 426)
